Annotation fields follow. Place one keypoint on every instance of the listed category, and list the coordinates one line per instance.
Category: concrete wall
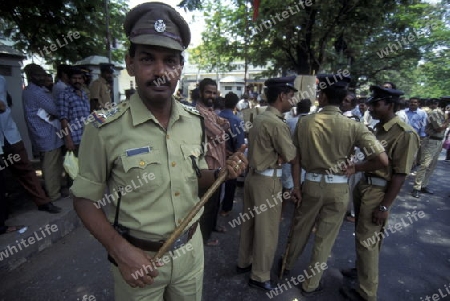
(10, 68)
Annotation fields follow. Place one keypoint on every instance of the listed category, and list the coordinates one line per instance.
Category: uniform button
(173, 164)
(142, 163)
(177, 193)
(167, 136)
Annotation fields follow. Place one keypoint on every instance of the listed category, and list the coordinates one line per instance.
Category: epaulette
(191, 110)
(405, 127)
(103, 117)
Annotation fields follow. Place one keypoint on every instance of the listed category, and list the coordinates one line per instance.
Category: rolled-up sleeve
(63, 106)
(91, 181)
(368, 143)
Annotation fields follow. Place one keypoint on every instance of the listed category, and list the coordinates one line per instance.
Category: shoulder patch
(103, 117)
(190, 109)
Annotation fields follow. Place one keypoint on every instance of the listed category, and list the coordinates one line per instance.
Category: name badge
(137, 151)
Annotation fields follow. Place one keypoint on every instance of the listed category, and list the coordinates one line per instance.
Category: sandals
(9, 229)
(212, 243)
(220, 229)
(225, 213)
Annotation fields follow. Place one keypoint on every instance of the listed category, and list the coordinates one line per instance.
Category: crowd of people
(348, 155)
(52, 112)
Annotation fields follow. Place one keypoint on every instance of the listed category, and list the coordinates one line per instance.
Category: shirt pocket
(191, 154)
(143, 168)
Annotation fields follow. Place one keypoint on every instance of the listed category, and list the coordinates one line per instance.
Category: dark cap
(106, 68)
(434, 101)
(157, 24)
(281, 82)
(336, 81)
(380, 93)
(75, 70)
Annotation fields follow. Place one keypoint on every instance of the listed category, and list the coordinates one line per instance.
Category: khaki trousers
(368, 238)
(52, 166)
(260, 222)
(179, 280)
(429, 155)
(324, 204)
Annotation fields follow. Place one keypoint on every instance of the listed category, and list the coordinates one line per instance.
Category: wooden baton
(185, 222)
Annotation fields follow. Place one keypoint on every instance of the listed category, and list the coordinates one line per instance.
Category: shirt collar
(331, 109)
(140, 113)
(227, 112)
(388, 125)
(275, 111)
(201, 106)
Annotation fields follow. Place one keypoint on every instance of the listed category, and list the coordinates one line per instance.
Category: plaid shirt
(76, 110)
(42, 134)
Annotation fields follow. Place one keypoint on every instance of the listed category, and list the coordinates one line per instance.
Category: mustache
(158, 82)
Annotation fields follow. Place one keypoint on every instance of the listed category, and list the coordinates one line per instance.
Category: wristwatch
(383, 208)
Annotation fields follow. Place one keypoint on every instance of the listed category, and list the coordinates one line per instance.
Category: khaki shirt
(100, 89)
(268, 139)
(401, 142)
(326, 140)
(131, 149)
(436, 119)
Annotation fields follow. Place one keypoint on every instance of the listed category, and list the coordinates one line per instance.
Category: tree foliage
(375, 39)
(223, 38)
(36, 24)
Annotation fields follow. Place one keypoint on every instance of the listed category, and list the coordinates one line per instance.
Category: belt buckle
(315, 176)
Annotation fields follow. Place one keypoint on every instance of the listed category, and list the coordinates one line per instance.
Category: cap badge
(160, 26)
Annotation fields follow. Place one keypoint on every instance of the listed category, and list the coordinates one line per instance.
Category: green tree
(34, 25)
(364, 36)
(221, 46)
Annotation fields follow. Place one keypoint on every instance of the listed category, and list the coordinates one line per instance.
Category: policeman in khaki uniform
(376, 192)
(150, 148)
(269, 140)
(431, 147)
(100, 89)
(325, 141)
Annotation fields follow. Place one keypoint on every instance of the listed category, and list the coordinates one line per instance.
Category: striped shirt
(215, 128)
(42, 134)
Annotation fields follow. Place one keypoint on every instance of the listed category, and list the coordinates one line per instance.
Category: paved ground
(415, 261)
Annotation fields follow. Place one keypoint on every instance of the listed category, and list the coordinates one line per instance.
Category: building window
(239, 88)
(228, 88)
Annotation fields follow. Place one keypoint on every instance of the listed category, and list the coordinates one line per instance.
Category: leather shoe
(350, 273)
(317, 291)
(50, 208)
(415, 193)
(426, 190)
(351, 294)
(240, 270)
(266, 285)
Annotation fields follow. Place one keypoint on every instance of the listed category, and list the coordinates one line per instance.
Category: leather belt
(270, 172)
(436, 138)
(154, 246)
(330, 179)
(377, 181)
